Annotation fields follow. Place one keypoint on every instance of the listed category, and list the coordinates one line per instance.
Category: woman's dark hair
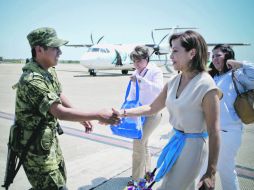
(193, 40)
(139, 53)
(229, 54)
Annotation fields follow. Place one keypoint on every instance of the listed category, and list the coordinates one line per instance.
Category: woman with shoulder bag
(231, 126)
(150, 82)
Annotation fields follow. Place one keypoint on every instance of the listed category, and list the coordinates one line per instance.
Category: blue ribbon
(172, 150)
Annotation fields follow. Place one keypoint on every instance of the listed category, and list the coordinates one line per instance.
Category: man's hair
(140, 53)
(33, 51)
(229, 54)
(193, 40)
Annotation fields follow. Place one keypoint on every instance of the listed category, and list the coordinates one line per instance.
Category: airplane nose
(88, 58)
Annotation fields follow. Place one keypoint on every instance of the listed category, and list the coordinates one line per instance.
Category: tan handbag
(244, 103)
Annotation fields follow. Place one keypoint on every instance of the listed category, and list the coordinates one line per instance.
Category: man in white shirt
(150, 80)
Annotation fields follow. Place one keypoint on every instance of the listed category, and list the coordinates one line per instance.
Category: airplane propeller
(85, 45)
(156, 47)
(91, 37)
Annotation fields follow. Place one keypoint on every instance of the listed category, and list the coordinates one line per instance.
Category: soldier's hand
(107, 117)
(88, 126)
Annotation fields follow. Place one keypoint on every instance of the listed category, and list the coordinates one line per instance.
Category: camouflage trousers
(52, 180)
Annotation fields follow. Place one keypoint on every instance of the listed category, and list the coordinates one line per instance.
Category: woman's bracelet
(124, 113)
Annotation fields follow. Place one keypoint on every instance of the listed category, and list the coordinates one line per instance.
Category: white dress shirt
(150, 82)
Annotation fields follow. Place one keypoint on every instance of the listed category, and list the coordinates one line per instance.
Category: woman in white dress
(192, 100)
(231, 126)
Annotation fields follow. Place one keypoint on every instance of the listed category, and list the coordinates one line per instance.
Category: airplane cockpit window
(93, 49)
(102, 50)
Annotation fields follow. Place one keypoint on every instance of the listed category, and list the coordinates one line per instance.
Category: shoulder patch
(32, 76)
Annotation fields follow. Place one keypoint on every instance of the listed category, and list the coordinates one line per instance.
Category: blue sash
(172, 150)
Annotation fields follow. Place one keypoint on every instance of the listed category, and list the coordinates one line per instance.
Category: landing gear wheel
(92, 72)
(124, 72)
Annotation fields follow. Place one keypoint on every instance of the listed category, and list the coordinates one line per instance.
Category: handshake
(109, 117)
(104, 117)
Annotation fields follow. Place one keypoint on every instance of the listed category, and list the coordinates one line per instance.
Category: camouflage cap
(45, 37)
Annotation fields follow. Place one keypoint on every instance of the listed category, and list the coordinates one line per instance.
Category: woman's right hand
(233, 64)
(107, 117)
(133, 78)
(118, 113)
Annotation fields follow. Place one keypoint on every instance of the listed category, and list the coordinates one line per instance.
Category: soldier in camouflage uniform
(39, 103)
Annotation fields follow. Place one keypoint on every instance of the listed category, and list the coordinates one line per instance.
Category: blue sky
(126, 21)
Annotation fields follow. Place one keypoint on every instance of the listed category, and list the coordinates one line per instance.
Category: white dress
(186, 114)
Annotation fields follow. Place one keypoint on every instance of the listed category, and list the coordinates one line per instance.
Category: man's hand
(107, 117)
(88, 126)
(207, 182)
(118, 113)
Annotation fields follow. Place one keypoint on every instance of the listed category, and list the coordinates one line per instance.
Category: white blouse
(150, 84)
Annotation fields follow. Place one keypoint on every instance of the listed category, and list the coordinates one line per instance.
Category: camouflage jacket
(37, 90)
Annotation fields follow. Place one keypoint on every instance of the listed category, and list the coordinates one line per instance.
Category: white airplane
(113, 57)
(101, 56)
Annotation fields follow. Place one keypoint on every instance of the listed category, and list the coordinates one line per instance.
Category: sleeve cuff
(47, 102)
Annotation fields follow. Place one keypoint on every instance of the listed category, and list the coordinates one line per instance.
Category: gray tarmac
(98, 160)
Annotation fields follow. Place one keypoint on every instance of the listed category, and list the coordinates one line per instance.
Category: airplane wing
(158, 50)
(177, 27)
(79, 45)
(231, 44)
(185, 28)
